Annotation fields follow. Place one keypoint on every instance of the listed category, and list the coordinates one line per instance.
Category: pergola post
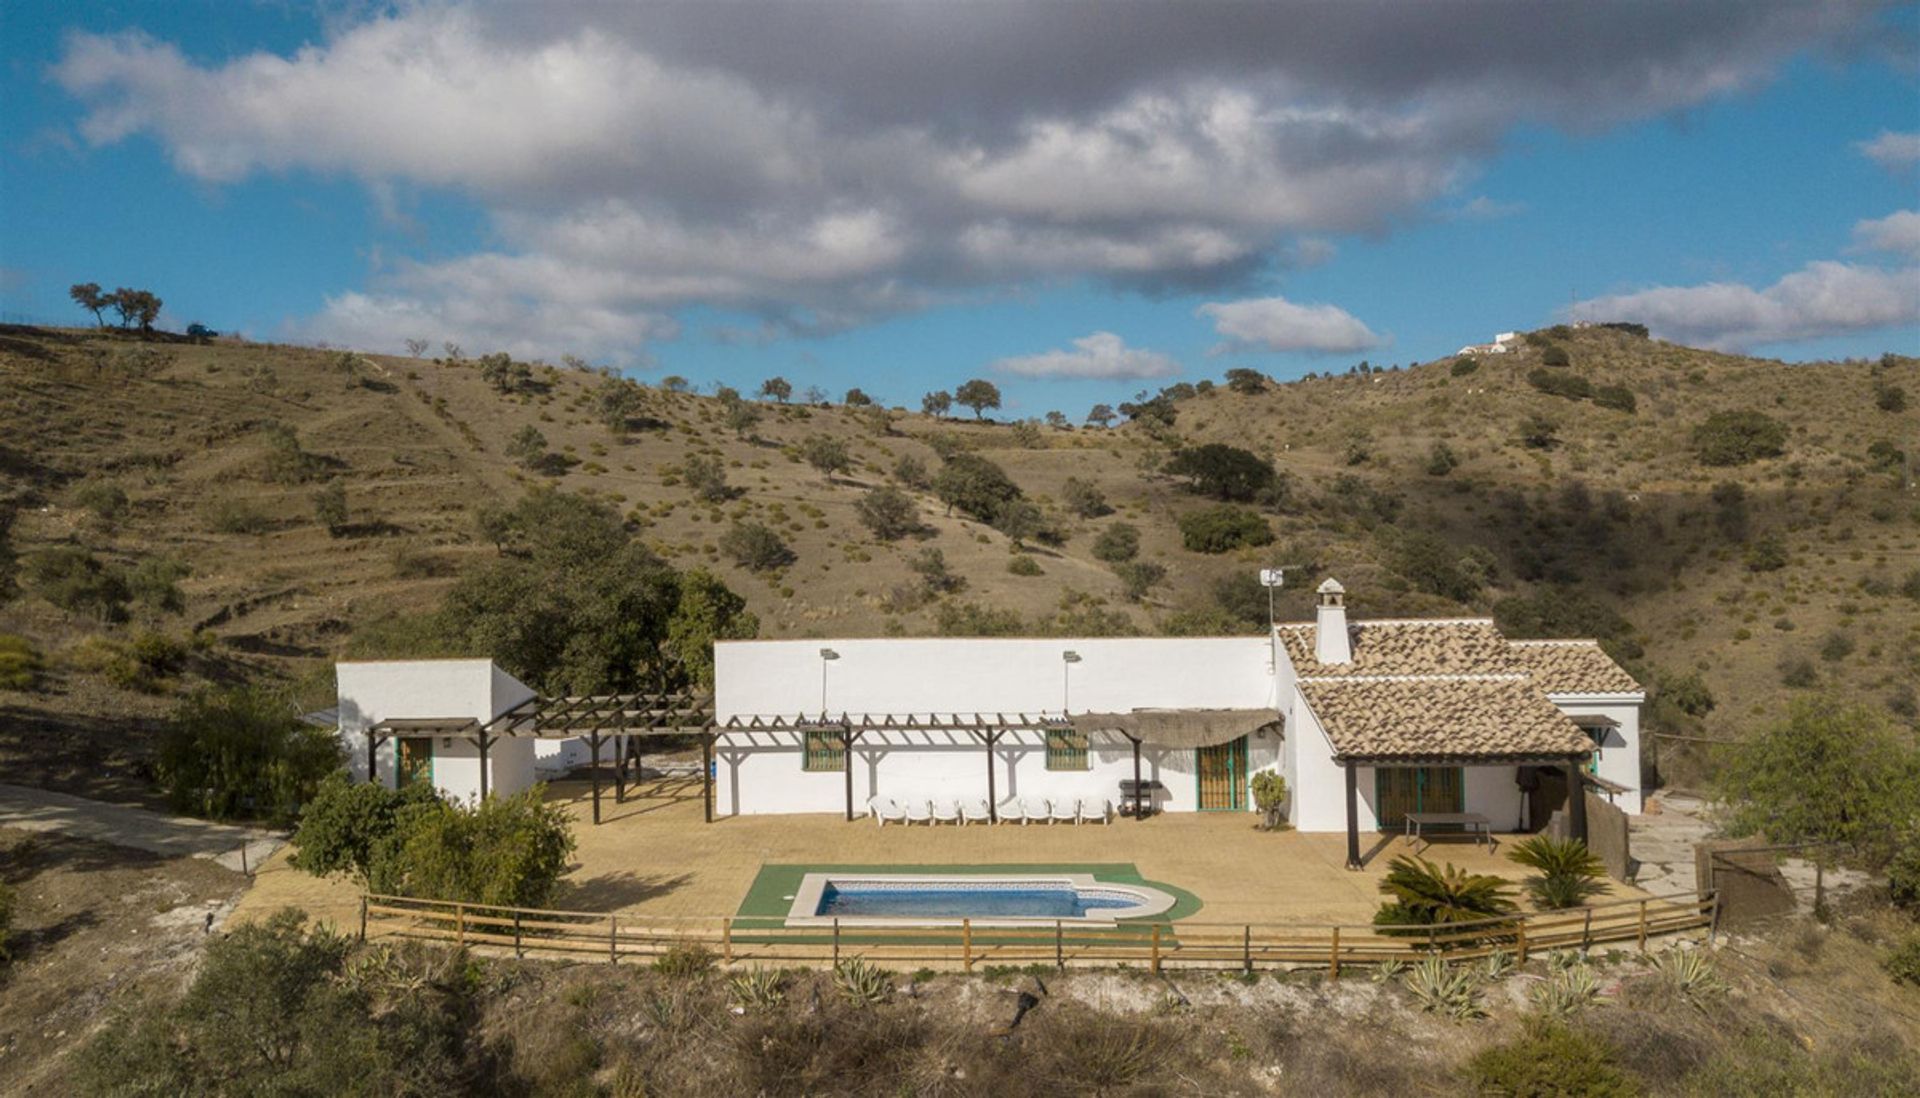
(1576, 798)
(593, 770)
(1138, 789)
(706, 775)
(993, 807)
(620, 768)
(1353, 816)
(847, 736)
(373, 761)
(483, 741)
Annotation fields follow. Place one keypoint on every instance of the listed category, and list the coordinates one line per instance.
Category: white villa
(1367, 721)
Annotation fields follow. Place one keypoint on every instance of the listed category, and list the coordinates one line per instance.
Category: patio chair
(920, 810)
(1009, 811)
(1065, 810)
(884, 809)
(1096, 809)
(947, 811)
(974, 810)
(1033, 808)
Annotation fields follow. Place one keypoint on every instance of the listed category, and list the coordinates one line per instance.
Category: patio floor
(654, 855)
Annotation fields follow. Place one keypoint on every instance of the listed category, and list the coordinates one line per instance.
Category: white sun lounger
(946, 811)
(974, 810)
(885, 810)
(920, 811)
(1065, 810)
(1009, 811)
(1033, 808)
(1096, 809)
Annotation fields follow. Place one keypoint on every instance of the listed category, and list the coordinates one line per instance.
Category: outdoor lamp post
(827, 655)
(1067, 660)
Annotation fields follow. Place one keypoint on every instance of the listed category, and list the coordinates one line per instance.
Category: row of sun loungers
(963, 811)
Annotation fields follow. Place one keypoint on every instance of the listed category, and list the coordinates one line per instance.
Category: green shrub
(330, 507)
(1116, 543)
(1766, 555)
(1903, 873)
(346, 824)
(106, 501)
(1463, 366)
(1618, 397)
(1538, 432)
(1084, 499)
(1441, 460)
(706, 477)
(1269, 796)
(888, 513)
(1570, 386)
(755, 547)
(975, 486)
(1737, 438)
(1836, 646)
(237, 516)
(1421, 893)
(1903, 963)
(1433, 565)
(154, 582)
(20, 663)
(1224, 472)
(685, 962)
(1023, 564)
(1224, 528)
(76, 581)
(1567, 874)
(1549, 1061)
(1797, 671)
(1889, 398)
(242, 753)
(1555, 355)
(1137, 577)
(504, 851)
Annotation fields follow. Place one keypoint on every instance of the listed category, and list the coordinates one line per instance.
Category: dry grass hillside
(1425, 490)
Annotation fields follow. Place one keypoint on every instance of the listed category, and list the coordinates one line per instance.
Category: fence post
(1059, 948)
(516, 934)
(726, 938)
(1246, 949)
(1643, 926)
(243, 860)
(1156, 949)
(1819, 886)
(966, 943)
(1520, 938)
(836, 943)
(1586, 932)
(1713, 919)
(460, 925)
(613, 944)
(363, 916)
(1335, 953)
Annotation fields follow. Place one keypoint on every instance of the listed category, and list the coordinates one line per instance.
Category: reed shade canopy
(1178, 727)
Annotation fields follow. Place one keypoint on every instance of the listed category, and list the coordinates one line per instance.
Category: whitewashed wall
(761, 772)
(374, 691)
(1620, 754)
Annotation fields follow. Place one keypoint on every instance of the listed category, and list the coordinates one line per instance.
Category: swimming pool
(902, 899)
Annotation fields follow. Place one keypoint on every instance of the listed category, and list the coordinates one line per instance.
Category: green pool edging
(765, 905)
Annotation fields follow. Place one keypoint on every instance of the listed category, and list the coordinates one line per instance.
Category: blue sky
(899, 196)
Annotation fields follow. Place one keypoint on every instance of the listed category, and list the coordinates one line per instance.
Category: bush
(888, 513)
(1539, 432)
(1245, 381)
(1889, 398)
(706, 477)
(505, 851)
(1547, 1062)
(931, 566)
(330, 507)
(345, 825)
(1022, 521)
(975, 486)
(1084, 499)
(1436, 567)
(1766, 555)
(106, 501)
(1797, 671)
(74, 580)
(1423, 894)
(1023, 564)
(1137, 577)
(1903, 873)
(1269, 791)
(287, 463)
(912, 472)
(1463, 366)
(1567, 874)
(1441, 460)
(1223, 472)
(755, 547)
(826, 454)
(1570, 386)
(242, 753)
(154, 583)
(1555, 355)
(1836, 646)
(1119, 542)
(1737, 438)
(1833, 771)
(20, 663)
(1223, 528)
(237, 516)
(1618, 397)
(1903, 964)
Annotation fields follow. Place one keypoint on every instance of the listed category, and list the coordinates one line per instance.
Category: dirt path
(236, 848)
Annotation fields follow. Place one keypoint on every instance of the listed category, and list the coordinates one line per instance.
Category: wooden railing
(618, 937)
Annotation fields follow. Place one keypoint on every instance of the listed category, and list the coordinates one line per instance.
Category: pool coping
(1154, 903)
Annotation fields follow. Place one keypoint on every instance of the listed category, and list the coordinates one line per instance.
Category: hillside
(1419, 488)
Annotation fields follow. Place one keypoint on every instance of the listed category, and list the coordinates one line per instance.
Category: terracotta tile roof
(1572, 667)
(1481, 717)
(1435, 647)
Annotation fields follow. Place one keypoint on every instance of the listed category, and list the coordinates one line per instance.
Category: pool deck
(653, 855)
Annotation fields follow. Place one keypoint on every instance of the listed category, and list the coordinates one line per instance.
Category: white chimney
(1330, 642)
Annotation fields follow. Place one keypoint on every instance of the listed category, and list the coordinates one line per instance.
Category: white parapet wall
(374, 691)
(764, 772)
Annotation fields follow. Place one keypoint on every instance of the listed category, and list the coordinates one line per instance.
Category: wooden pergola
(1570, 764)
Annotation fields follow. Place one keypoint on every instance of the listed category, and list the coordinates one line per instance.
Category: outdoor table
(1481, 827)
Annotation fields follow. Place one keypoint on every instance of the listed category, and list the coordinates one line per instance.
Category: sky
(1076, 201)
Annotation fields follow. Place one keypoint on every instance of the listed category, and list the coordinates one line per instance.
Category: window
(824, 751)
(1598, 734)
(1066, 750)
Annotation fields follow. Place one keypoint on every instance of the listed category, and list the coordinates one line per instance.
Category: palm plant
(1567, 874)
(1424, 894)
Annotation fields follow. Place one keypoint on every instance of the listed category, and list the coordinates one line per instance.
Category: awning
(1178, 727)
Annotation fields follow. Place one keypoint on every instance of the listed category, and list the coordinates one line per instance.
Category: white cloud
(1821, 299)
(1898, 233)
(1100, 355)
(1891, 150)
(633, 159)
(1276, 324)
(1482, 208)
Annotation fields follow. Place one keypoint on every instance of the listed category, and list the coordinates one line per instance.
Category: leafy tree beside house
(242, 753)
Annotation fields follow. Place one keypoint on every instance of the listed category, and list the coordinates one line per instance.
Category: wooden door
(416, 761)
(1223, 776)
(1403, 789)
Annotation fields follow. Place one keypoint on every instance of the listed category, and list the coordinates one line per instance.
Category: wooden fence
(621, 937)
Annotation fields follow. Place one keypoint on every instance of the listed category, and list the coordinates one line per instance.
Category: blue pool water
(945, 901)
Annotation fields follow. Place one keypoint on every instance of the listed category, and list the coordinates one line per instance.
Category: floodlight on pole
(827, 655)
(1067, 660)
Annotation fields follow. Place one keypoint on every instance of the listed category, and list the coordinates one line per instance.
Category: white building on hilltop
(1367, 721)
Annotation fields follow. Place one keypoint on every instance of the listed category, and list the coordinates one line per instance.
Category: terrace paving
(653, 855)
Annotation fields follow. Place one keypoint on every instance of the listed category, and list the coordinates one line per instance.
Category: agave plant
(1690, 972)
(1424, 894)
(1567, 873)
(1560, 960)
(863, 983)
(1441, 988)
(759, 988)
(1497, 965)
(1388, 969)
(1567, 991)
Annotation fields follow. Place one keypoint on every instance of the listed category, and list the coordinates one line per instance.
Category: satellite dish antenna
(1273, 579)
